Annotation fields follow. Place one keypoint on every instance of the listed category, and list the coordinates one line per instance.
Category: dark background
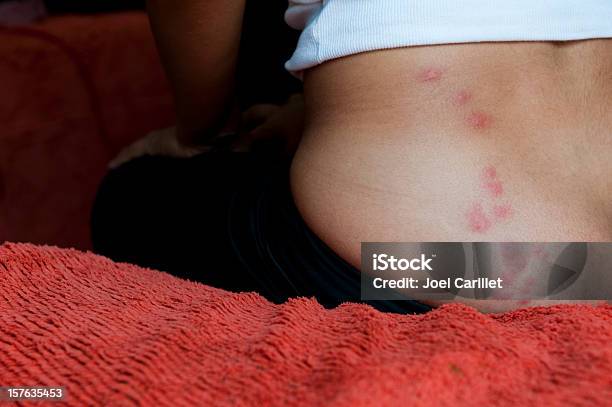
(267, 42)
(78, 86)
(92, 6)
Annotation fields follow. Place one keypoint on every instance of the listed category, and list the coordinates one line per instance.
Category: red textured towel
(116, 334)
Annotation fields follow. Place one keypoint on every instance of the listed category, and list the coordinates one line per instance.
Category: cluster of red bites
(482, 215)
(479, 220)
(475, 119)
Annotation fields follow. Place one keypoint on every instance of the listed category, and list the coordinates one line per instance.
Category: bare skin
(474, 142)
(198, 42)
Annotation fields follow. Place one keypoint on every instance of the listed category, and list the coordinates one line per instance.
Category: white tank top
(337, 28)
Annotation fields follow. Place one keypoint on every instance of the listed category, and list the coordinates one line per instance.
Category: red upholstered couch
(73, 91)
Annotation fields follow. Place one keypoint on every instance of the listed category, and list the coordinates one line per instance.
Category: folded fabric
(116, 334)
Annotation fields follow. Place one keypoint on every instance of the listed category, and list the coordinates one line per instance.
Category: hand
(157, 143)
(284, 123)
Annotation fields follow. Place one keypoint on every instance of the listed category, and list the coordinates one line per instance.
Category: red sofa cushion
(75, 89)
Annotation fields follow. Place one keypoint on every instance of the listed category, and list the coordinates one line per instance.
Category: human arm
(198, 42)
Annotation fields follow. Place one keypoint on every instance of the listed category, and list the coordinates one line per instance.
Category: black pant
(225, 219)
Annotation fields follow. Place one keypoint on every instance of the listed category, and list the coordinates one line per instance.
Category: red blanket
(116, 334)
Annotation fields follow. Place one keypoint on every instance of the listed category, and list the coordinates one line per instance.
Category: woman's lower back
(474, 142)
